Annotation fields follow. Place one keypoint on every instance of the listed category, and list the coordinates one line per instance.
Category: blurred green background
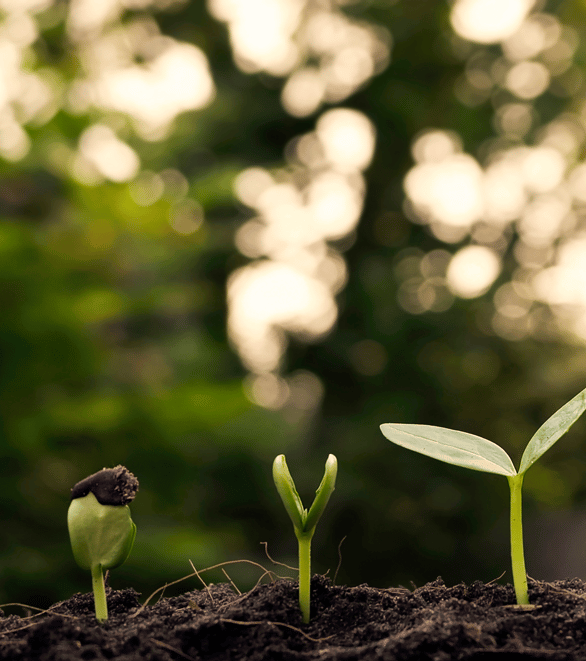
(137, 140)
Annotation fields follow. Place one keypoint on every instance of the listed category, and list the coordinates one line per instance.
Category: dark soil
(433, 622)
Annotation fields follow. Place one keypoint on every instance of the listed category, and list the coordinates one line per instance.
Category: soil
(433, 622)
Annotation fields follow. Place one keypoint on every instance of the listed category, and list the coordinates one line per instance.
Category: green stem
(99, 594)
(304, 540)
(517, 553)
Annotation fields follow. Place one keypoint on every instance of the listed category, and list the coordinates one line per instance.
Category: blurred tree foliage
(114, 349)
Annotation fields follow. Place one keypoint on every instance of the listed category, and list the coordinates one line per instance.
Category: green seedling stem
(99, 590)
(517, 552)
(304, 522)
(476, 453)
(100, 528)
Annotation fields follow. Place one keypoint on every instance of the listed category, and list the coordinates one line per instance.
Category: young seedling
(304, 522)
(476, 453)
(100, 528)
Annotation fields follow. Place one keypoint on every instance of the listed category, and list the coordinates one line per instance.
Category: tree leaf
(553, 429)
(452, 447)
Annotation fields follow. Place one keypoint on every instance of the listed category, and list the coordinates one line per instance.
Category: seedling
(100, 528)
(476, 453)
(304, 522)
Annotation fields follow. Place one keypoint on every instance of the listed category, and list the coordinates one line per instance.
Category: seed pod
(100, 527)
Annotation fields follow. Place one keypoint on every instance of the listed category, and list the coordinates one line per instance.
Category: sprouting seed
(100, 528)
(304, 522)
(476, 453)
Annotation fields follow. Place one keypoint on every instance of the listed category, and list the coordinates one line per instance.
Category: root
(339, 558)
(198, 573)
(42, 611)
(278, 624)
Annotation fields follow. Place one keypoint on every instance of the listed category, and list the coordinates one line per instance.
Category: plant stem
(517, 553)
(99, 594)
(304, 540)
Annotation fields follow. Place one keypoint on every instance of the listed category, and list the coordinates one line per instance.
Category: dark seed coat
(110, 486)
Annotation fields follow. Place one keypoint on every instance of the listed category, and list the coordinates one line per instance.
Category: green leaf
(553, 429)
(288, 492)
(304, 521)
(452, 447)
(323, 493)
(100, 534)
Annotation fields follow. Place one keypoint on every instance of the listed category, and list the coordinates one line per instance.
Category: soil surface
(433, 622)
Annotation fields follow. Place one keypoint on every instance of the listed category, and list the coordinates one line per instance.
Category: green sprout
(100, 528)
(304, 522)
(476, 453)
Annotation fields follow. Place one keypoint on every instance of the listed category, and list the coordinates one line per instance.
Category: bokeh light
(172, 78)
(488, 21)
(324, 54)
(291, 286)
(472, 270)
(533, 186)
(526, 187)
(448, 191)
(268, 298)
(110, 157)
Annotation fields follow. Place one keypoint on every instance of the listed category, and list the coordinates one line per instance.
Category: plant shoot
(304, 521)
(476, 453)
(100, 528)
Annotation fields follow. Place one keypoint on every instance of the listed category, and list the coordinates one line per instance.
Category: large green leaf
(452, 447)
(553, 429)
